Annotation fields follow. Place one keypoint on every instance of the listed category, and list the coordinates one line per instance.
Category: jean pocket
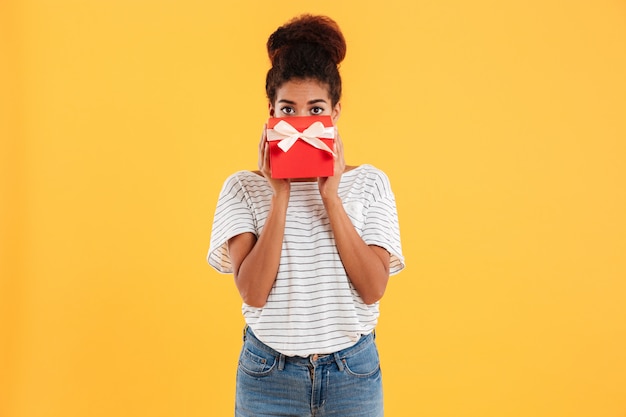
(256, 363)
(364, 363)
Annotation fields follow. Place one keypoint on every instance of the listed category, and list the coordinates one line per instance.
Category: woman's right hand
(280, 186)
(255, 259)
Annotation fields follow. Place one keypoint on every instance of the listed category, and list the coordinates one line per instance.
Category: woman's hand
(281, 187)
(329, 186)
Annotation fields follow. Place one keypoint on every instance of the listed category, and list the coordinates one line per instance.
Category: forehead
(302, 90)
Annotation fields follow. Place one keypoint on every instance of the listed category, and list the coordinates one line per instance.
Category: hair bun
(318, 32)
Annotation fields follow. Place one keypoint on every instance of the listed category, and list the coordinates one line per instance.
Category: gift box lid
(301, 146)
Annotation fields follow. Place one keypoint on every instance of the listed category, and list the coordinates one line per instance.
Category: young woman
(311, 258)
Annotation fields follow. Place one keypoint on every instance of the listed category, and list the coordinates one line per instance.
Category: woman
(311, 257)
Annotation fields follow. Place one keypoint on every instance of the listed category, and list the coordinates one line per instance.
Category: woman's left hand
(329, 186)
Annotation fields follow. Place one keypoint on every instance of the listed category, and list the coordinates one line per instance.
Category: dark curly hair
(306, 47)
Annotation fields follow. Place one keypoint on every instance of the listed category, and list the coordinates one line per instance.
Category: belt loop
(281, 362)
(245, 331)
(338, 361)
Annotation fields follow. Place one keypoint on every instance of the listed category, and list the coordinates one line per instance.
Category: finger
(338, 144)
(267, 164)
(338, 140)
(262, 143)
(266, 153)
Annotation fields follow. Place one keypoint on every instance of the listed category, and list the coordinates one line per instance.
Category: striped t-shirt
(312, 307)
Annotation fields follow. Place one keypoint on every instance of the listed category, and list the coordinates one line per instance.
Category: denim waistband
(319, 359)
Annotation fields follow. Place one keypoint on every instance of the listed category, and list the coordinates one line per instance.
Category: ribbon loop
(288, 135)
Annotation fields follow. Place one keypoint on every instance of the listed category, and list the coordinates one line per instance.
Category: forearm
(367, 267)
(257, 271)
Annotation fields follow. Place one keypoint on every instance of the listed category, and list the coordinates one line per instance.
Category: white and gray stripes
(312, 308)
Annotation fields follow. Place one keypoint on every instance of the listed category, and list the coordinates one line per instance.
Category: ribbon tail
(317, 143)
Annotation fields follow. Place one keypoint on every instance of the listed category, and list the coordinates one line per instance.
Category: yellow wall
(501, 125)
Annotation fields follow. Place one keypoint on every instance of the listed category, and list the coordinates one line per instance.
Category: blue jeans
(347, 383)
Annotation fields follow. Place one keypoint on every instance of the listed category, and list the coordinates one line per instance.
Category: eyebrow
(317, 100)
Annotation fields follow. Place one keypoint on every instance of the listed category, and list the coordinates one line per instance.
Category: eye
(287, 110)
(317, 111)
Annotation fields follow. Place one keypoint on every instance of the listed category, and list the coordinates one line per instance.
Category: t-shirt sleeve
(233, 216)
(381, 227)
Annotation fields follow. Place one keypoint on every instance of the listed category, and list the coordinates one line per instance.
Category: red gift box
(301, 147)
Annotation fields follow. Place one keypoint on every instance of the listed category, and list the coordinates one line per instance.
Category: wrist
(332, 201)
(281, 198)
(280, 189)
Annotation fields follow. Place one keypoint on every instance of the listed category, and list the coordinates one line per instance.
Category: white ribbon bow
(288, 135)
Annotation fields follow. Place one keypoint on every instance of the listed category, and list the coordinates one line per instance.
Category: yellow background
(500, 124)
